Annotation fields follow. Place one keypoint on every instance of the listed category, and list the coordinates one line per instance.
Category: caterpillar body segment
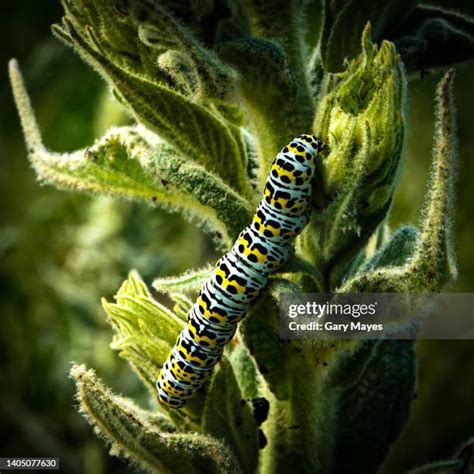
(239, 276)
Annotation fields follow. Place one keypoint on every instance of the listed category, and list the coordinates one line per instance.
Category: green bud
(361, 120)
(425, 260)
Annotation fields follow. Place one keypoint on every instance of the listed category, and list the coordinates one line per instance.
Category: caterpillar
(240, 275)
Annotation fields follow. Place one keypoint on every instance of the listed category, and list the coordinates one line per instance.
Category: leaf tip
(30, 127)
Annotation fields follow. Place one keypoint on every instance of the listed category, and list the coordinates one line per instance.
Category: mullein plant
(216, 89)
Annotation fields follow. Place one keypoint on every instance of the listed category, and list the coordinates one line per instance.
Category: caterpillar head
(313, 141)
(302, 153)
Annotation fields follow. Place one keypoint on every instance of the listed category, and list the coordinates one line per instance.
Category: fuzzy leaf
(111, 166)
(192, 129)
(182, 305)
(145, 330)
(398, 251)
(190, 282)
(346, 19)
(245, 371)
(116, 33)
(229, 420)
(283, 22)
(133, 436)
(376, 403)
(434, 262)
(156, 419)
(219, 204)
(301, 268)
(279, 285)
(130, 162)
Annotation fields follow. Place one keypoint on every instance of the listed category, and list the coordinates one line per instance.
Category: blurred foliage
(60, 253)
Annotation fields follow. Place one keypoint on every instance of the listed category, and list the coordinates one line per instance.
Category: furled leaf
(434, 261)
(116, 32)
(161, 30)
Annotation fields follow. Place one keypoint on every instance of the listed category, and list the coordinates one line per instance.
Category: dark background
(60, 252)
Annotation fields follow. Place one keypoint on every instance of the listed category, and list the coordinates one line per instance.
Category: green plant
(216, 90)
